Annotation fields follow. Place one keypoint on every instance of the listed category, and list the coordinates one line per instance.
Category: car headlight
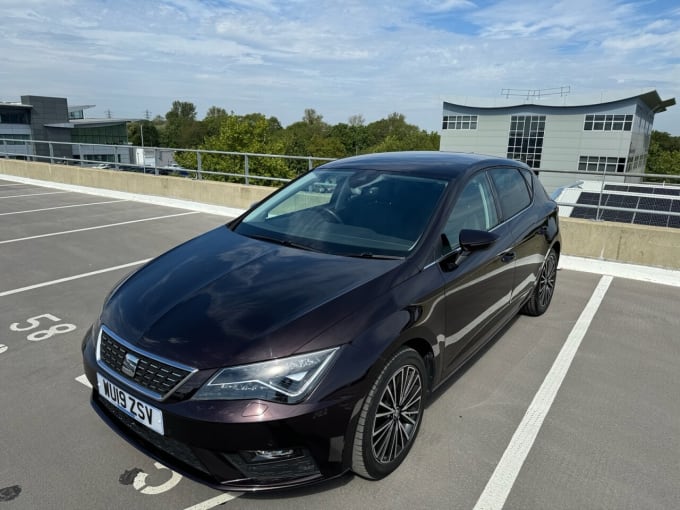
(287, 380)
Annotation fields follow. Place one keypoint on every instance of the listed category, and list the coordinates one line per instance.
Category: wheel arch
(424, 348)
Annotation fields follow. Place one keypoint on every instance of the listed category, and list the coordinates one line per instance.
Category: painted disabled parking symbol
(138, 479)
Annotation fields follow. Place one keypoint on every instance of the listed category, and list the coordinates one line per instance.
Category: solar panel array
(634, 204)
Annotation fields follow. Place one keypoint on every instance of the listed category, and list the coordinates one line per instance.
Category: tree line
(664, 155)
(226, 131)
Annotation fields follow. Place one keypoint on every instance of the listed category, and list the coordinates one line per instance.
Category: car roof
(433, 163)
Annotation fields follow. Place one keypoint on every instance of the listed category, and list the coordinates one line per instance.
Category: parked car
(175, 169)
(302, 339)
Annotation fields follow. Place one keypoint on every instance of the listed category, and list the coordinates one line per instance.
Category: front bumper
(214, 441)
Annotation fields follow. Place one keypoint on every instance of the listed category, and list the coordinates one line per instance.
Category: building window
(20, 117)
(526, 139)
(460, 122)
(601, 164)
(637, 163)
(109, 135)
(608, 123)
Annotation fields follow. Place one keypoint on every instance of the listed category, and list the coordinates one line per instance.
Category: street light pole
(141, 131)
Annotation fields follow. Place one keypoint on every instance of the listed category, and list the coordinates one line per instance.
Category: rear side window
(512, 190)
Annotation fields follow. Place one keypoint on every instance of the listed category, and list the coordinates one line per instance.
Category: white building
(557, 131)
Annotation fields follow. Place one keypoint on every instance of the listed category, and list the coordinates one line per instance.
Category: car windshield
(352, 212)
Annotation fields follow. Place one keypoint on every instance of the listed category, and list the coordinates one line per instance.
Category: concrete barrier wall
(623, 242)
(637, 244)
(228, 194)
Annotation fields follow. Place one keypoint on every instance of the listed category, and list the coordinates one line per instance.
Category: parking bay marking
(36, 194)
(70, 278)
(61, 207)
(82, 379)
(503, 478)
(96, 227)
(213, 502)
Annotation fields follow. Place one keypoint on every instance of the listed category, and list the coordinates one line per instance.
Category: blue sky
(342, 58)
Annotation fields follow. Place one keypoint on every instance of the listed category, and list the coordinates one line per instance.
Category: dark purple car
(302, 339)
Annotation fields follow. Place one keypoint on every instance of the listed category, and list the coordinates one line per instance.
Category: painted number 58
(43, 334)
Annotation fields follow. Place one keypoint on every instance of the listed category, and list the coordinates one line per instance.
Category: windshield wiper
(282, 242)
(369, 255)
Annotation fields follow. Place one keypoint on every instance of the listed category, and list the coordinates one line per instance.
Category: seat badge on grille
(130, 365)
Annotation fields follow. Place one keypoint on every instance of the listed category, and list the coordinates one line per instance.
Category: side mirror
(469, 241)
(472, 240)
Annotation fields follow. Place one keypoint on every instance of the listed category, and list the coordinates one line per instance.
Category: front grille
(151, 374)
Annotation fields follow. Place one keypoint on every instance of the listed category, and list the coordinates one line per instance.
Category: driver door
(479, 287)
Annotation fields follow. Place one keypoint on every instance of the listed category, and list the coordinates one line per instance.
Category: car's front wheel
(390, 417)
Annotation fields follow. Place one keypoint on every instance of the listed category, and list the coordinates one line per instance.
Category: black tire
(385, 432)
(545, 287)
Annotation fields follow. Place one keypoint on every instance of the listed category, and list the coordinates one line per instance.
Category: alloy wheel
(397, 415)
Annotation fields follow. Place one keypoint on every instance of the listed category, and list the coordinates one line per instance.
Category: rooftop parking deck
(576, 409)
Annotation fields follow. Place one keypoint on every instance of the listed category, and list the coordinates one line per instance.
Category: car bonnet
(222, 299)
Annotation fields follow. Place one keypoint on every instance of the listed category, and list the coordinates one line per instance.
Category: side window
(529, 178)
(475, 209)
(512, 190)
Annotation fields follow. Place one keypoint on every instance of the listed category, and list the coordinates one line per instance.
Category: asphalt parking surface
(609, 439)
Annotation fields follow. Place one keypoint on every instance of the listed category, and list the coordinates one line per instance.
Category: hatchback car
(302, 339)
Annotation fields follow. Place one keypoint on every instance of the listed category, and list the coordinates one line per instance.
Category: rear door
(513, 187)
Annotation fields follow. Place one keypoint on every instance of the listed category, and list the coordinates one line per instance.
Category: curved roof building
(557, 131)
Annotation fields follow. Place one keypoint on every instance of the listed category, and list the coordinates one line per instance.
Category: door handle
(508, 256)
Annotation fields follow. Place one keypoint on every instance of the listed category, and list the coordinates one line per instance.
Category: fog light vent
(252, 456)
(269, 465)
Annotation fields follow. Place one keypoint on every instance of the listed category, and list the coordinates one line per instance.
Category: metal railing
(237, 166)
(203, 164)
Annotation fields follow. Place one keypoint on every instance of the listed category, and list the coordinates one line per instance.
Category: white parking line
(61, 207)
(97, 227)
(146, 199)
(213, 502)
(15, 184)
(621, 270)
(70, 278)
(82, 379)
(36, 194)
(503, 478)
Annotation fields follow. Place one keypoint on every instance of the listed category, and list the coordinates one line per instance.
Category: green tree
(353, 135)
(181, 129)
(215, 111)
(253, 133)
(661, 160)
(395, 134)
(148, 129)
(213, 120)
(666, 141)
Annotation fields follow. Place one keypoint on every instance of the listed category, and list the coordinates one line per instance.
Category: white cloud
(341, 58)
(448, 5)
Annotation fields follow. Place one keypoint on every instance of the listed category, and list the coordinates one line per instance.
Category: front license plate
(141, 411)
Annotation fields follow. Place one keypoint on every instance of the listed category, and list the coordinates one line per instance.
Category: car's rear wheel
(390, 417)
(545, 287)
